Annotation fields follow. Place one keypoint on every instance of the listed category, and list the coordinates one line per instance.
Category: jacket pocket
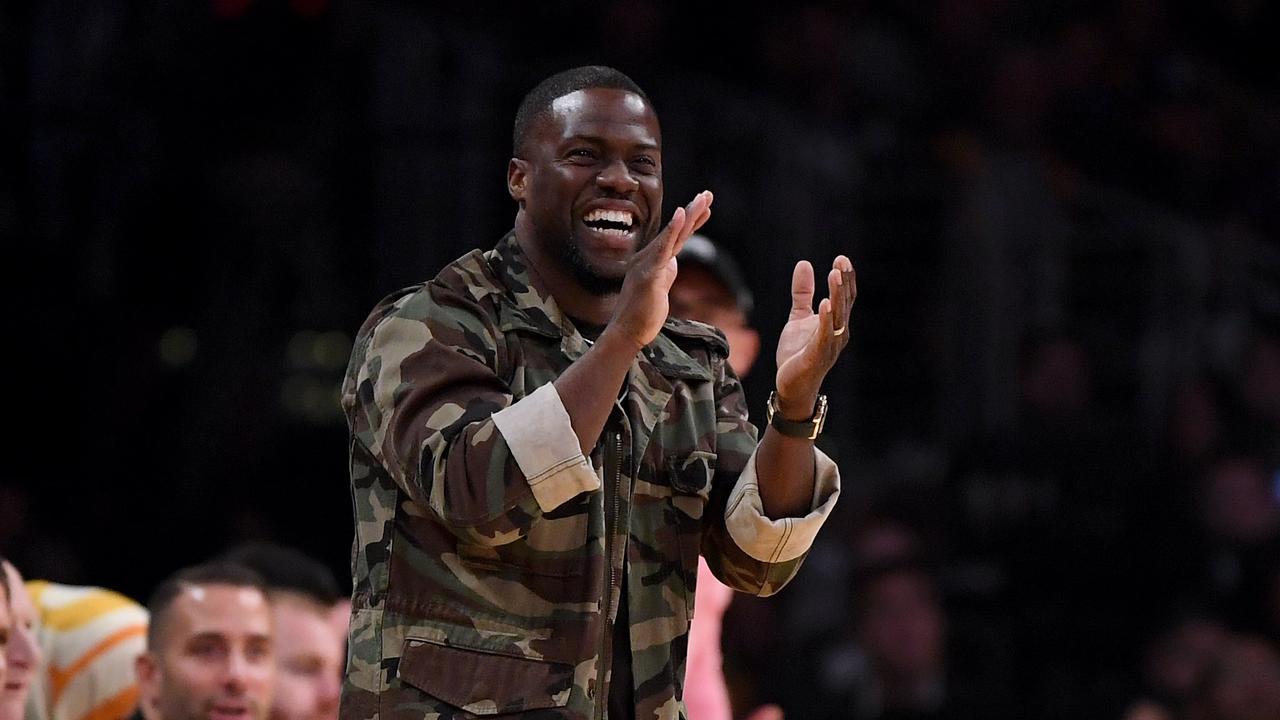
(484, 682)
(690, 477)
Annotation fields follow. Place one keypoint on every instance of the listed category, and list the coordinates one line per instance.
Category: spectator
(22, 654)
(209, 647)
(309, 651)
(1242, 684)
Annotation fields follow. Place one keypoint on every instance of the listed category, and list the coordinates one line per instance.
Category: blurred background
(1059, 417)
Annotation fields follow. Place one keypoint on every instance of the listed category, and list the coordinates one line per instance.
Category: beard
(588, 277)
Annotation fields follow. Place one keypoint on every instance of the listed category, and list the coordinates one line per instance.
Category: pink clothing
(706, 697)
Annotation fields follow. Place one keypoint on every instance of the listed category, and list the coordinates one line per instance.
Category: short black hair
(287, 569)
(212, 573)
(538, 100)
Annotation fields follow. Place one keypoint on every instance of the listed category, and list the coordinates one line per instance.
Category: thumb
(801, 290)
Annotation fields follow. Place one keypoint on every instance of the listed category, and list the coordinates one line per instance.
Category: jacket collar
(527, 306)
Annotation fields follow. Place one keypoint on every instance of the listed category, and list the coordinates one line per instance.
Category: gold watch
(806, 429)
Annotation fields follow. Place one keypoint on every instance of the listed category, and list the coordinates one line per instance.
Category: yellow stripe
(83, 611)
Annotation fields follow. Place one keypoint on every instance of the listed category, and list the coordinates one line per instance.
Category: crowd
(257, 633)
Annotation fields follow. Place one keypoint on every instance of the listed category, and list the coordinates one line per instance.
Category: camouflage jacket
(489, 552)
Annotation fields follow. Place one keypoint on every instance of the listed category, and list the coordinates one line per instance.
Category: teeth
(617, 216)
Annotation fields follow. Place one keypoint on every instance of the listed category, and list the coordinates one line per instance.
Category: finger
(702, 218)
(848, 277)
(666, 241)
(851, 283)
(826, 334)
(835, 291)
(696, 209)
(802, 290)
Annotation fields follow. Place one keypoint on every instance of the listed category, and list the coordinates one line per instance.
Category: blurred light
(178, 346)
(331, 350)
(300, 348)
(325, 351)
(311, 399)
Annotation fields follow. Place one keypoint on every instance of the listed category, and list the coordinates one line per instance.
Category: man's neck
(573, 299)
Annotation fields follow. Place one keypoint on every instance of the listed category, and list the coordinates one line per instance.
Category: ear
(147, 672)
(517, 176)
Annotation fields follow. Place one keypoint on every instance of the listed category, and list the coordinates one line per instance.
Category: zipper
(613, 482)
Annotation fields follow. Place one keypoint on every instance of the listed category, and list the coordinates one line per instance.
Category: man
(22, 655)
(209, 647)
(710, 289)
(310, 653)
(6, 627)
(539, 454)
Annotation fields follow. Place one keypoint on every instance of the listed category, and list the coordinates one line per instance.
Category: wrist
(797, 409)
(616, 339)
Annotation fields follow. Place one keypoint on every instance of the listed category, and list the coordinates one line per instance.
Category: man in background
(22, 653)
(710, 289)
(310, 650)
(209, 647)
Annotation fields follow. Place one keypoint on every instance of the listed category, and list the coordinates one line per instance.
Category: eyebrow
(222, 637)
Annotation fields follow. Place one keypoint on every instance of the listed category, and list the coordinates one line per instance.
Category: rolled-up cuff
(774, 541)
(540, 435)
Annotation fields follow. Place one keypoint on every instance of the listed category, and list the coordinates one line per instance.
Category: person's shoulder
(461, 288)
(691, 332)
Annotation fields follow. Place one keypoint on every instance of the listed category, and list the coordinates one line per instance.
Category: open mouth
(614, 223)
(229, 712)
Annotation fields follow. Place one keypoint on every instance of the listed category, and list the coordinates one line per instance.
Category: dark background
(1063, 215)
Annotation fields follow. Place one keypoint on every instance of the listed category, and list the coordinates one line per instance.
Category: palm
(795, 351)
(810, 344)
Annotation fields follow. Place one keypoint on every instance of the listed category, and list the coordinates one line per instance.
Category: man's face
(590, 181)
(309, 658)
(23, 652)
(698, 295)
(902, 625)
(6, 628)
(215, 660)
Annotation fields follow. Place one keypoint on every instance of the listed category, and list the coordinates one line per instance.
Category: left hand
(809, 345)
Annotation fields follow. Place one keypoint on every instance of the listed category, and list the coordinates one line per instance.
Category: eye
(258, 650)
(646, 164)
(582, 153)
(204, 648)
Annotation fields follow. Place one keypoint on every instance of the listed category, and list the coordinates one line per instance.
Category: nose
(616, 176)
(23, 651)
(241, 671)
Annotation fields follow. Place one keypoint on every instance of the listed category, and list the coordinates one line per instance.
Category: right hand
(642, 304)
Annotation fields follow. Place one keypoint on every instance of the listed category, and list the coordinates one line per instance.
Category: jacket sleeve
(744, 548)
(423, 395)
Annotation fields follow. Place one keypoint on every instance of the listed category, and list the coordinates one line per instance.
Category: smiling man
(539, 454)
(209, 647)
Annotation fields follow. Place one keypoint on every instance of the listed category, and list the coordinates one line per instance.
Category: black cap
(700, 250)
